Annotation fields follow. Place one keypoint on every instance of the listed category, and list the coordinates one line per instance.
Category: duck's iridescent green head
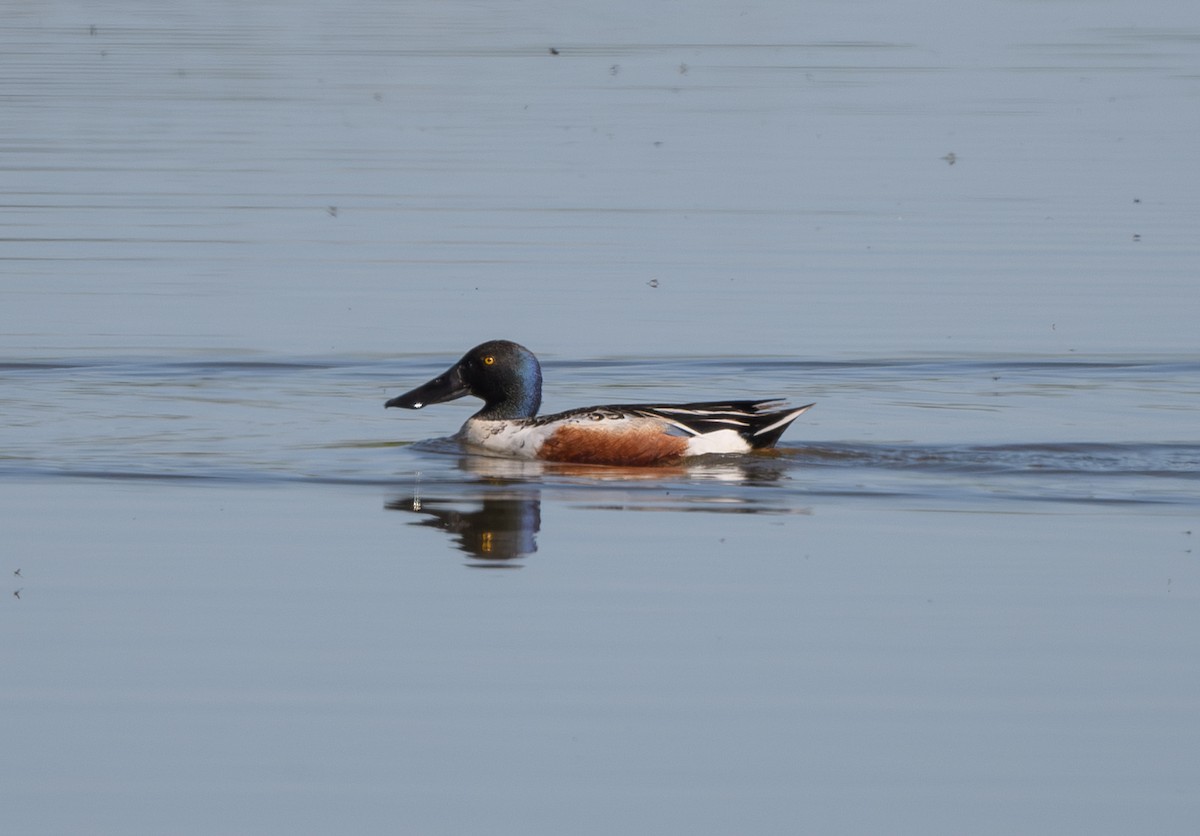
(506, 376)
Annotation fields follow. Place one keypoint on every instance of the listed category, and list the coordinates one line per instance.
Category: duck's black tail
(766, 427)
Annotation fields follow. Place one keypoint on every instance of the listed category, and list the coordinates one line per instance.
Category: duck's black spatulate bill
(447, 386)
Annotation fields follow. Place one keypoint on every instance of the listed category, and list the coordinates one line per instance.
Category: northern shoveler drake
(508, 379)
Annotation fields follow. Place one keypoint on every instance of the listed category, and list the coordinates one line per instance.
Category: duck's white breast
(506, 438)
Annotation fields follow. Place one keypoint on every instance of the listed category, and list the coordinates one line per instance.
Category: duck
(507, 377)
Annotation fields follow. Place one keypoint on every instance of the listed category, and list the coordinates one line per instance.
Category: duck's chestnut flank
(508, 379)
(640, 447)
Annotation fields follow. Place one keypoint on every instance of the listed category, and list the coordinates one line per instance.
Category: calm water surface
(965, 431)
(239, 596)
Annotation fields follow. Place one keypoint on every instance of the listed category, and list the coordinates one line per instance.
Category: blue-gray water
(965, 431)
(240, 597)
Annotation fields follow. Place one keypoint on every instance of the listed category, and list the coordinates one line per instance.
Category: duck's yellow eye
(488, 360)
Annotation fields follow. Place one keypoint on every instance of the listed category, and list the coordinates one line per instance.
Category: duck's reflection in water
(497, 528)
(497, 516)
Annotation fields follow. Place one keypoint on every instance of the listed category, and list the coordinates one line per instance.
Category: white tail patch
(719, 441)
